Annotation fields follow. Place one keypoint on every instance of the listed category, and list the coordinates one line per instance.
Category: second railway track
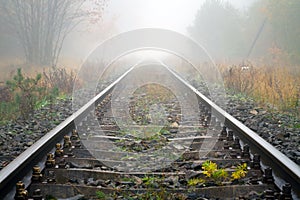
(142, 160)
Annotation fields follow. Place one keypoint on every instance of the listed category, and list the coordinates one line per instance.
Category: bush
(23, 94)
(60, 79)
(26, 92)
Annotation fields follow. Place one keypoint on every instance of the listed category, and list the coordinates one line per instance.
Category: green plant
(195, 181)
(240, 172)
(50, 197)
(220, 174)
(164, 131)
(100, 195)
(209, 168)
(297, 125)
(22, 95)
(62, 97)
(213, 173)
(41, 103)
(150, 181)
(54, 92)
(8, 111)
(26, 92)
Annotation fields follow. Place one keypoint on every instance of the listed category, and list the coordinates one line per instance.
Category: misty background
(227, 29)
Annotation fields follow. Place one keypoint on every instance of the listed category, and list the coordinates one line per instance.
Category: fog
(127, 15)
(226, 29)
(175, 15)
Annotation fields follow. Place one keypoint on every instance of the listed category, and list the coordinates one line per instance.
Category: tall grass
(59, 78)
(276, 86)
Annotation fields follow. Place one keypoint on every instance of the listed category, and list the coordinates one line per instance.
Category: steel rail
(283, 168)
(22, 165)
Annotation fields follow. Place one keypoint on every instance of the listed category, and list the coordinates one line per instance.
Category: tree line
(271, 28)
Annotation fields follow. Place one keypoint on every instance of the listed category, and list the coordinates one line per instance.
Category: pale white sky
(175, 15)
(125, 15)
(167, 14)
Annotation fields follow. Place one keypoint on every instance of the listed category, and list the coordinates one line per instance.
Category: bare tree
(41, 26)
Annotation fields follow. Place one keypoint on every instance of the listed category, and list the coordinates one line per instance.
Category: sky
(175, 15)
(126, 15)
(168, 14)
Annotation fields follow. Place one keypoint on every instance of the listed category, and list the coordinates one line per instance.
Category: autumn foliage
(276, 86)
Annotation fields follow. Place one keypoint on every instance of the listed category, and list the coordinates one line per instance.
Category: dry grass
(156, 91)
(278, 86)
(9, 66)
(59, 78)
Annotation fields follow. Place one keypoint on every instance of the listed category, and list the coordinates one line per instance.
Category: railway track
(189, 153)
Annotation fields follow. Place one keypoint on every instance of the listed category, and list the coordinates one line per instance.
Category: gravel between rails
(281, 130)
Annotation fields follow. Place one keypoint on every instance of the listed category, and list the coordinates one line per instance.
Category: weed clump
(23, 94)
(26, 92)
(213, 175)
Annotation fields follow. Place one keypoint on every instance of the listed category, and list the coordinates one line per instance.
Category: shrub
(26, 92)
(60, 79)
(23, 94)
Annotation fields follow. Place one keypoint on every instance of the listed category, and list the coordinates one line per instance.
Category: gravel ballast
(281, 130)
(17, 136)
